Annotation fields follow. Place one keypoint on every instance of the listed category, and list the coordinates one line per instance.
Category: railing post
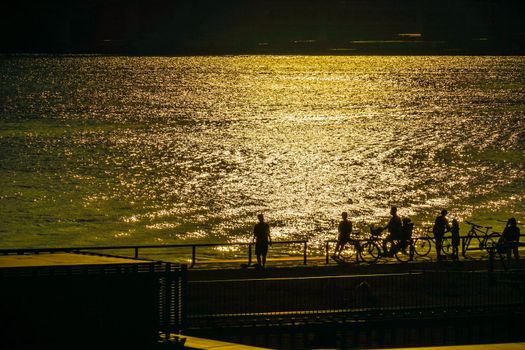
(183, 297)
(193, 254)
(249, 254)
(305, 252)
(491, 258)
(166, 300)
(136, 252)
(491, 264)
(327, 252)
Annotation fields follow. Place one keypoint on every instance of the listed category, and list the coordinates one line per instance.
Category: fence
(172, 296)
(150, 297)
(366, 296)
(136, 249)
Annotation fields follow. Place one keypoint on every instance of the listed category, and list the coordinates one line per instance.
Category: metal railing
(137, 248)
(193, 247)
(365, 296)
(505, 254)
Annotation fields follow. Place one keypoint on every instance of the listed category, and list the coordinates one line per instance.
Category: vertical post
(249, 254)
(327, 252)
(491, 276)
(491, 259)
(305, 251)
(193, 253)
(167, 299)
(183, 290)
(136, 252)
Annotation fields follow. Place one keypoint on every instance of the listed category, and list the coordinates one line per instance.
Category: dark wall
(180, 26)
(98, 311)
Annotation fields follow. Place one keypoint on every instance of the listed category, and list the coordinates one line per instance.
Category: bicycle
(446, 245)
(401, 249)
(484, 238)
(423, 243)
(366, 250)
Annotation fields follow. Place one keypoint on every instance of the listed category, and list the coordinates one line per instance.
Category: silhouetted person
(407, 229)
(261, 235)
(394, 228)
(511, 237)
(455, 239)
(441, 226)
(344, 230)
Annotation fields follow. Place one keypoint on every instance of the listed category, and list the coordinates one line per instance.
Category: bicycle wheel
(466, 244)
(370, 252)
(422, 246)
(403, 251)
(492, 240)
(446, 246)
(349, 253)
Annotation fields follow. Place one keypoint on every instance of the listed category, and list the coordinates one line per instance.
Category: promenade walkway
(61, 259)
(209, 344)
(407, 300)
(504, 346)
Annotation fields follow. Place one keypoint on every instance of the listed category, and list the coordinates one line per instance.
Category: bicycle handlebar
(478, 226)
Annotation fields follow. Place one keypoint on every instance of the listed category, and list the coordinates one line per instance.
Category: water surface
(142, 150)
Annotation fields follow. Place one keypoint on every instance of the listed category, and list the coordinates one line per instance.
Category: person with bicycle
(394, 228)
(510, 238)
(344, 230)
(441, 226)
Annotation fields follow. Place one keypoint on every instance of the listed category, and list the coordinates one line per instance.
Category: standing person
(441, 226)
(394, 228)
(344, 230)
(511, 237)
(261, 236)
(455, 239)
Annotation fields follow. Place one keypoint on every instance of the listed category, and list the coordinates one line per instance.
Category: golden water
(143, 150)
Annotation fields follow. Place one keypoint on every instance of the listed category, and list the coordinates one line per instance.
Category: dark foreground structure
(72, 301)
(359, 311)
(60, 300)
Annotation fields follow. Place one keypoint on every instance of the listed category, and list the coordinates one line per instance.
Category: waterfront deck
(287, 305)
(208, 344)
(503, 346)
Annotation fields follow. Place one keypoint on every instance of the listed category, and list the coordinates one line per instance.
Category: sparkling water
(99, 150)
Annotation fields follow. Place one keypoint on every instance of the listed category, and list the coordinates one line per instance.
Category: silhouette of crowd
(399, 237)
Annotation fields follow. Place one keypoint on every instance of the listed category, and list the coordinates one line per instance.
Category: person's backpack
(375, 231)
(407, 228)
